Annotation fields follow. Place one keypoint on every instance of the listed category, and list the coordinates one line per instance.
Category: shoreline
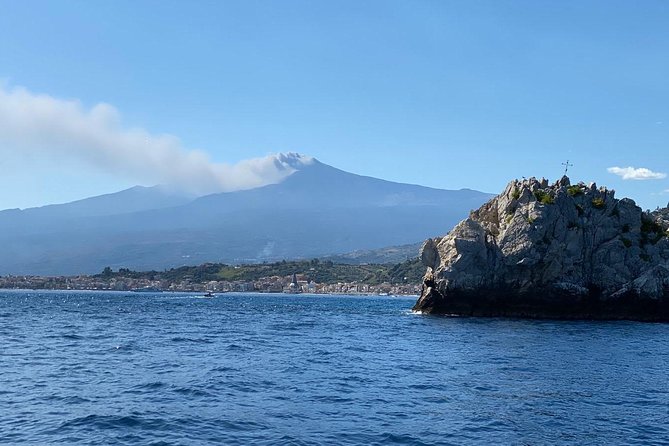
(216, 293)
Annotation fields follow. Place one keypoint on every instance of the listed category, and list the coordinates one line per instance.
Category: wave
(96, 421)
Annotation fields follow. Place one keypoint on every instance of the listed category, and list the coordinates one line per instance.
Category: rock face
(551, 251)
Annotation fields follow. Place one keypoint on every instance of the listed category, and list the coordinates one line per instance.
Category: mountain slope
(388, 254)
(324, 187)
(318, 210)
(134, 199)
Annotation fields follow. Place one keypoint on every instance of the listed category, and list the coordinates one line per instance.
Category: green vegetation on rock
(543, 197)
(598, 203)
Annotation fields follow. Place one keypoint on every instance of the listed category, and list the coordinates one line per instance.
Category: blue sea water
(240, 369)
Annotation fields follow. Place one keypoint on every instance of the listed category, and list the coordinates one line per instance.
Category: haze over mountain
(317, 210)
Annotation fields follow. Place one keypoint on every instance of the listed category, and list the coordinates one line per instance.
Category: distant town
(274, 284)
(313, 277)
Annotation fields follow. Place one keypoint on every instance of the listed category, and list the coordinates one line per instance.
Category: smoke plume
(44, 125)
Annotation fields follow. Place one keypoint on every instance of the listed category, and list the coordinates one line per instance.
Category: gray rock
(559, 251)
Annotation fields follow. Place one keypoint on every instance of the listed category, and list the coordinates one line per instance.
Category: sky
(99, 96)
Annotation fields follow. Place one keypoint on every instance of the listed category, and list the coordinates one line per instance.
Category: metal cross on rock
(567, 165)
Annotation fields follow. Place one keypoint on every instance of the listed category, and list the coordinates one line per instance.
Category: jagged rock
(556, 251)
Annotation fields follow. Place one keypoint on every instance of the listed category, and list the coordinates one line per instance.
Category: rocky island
(543, 250)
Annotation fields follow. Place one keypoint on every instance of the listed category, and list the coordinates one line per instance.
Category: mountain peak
(292, 160)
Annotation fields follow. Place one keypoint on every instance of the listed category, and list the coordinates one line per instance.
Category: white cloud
(632, 173)
(44, 125)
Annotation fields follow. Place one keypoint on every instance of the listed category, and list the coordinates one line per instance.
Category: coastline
(218, 294)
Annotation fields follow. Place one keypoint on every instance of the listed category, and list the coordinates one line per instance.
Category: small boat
(208, 294)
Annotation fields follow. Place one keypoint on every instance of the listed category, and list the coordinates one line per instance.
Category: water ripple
(118, 368)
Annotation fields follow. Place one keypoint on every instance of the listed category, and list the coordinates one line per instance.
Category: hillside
(324, 272)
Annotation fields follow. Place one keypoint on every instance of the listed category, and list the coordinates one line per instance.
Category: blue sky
(440, 93)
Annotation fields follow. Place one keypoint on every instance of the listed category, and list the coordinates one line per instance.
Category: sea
(98, 368)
